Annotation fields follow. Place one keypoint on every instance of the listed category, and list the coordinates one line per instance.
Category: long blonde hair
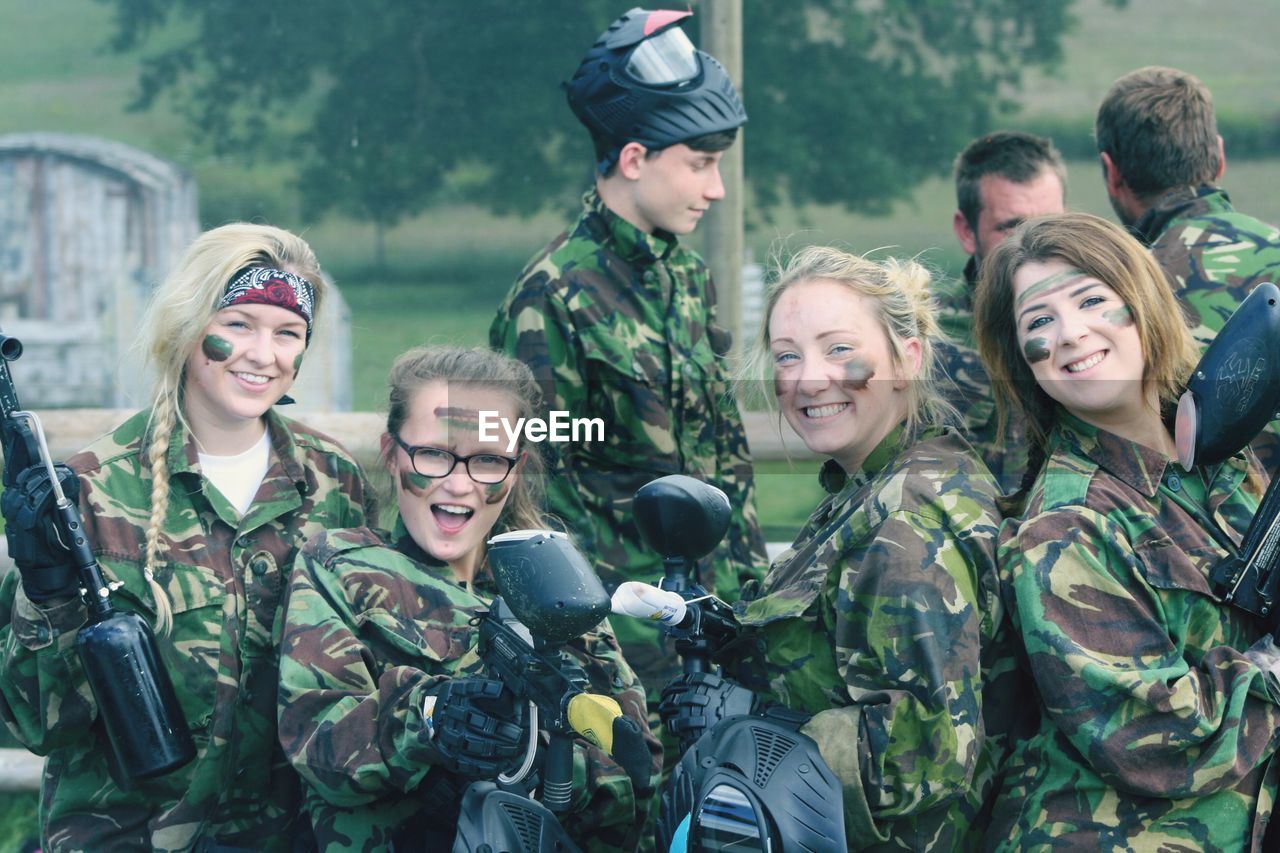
(173, 327)
(904, 309)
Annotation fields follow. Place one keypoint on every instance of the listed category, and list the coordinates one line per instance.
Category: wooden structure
(88, 227)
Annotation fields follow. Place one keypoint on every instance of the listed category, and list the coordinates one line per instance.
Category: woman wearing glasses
(380, 712)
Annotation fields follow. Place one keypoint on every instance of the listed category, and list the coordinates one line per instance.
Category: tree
(388, 106)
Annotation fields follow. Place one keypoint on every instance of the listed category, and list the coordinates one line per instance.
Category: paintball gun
(1233, 394)
(146, 731)
(682, 519)
(549, 596)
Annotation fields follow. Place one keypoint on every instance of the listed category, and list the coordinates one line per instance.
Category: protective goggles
(667, 59)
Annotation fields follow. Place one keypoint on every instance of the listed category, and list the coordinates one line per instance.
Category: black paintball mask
(644, 81)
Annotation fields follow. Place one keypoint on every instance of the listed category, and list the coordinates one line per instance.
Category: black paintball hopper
(548, 584)
(1235, 389)
(679, 516)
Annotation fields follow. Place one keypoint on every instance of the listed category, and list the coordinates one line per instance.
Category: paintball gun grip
(600, 720)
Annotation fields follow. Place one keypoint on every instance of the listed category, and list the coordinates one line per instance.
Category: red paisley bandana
(265, 286)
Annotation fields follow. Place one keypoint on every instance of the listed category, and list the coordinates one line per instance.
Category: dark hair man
(618, 320)
(1162, 158)
(1002, 179)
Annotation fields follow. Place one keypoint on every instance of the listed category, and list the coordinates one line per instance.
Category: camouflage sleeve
(536, 329)
(1149, 713)
(907, 633)
(44, 697)
(607, 813)
(351, 726)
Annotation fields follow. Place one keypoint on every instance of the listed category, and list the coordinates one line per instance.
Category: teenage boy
(618, 320)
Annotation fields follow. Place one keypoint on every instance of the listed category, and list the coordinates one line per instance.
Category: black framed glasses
(485, 468)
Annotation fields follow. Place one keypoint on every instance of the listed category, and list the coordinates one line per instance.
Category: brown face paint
(1036, 350)
(459, 419)
(412, 481)
(216, 348)
(1051, 284)
(857, 373)
(1121, 316)
(496, 492)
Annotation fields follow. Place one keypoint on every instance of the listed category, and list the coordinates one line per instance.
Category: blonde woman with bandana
(195, 507)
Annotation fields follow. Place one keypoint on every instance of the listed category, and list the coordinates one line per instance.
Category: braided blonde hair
(173, 328)
(905, 309)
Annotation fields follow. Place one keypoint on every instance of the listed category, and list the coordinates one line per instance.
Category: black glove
(478, 726)
(28, 507)
(694, 702)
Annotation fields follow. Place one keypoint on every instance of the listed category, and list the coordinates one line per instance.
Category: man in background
(1002, 179)
(1162, 159)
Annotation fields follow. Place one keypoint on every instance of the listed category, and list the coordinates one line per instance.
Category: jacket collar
(1179, 203)
(1136, 465)
(630, 242)
(835, 479)
(184, 453)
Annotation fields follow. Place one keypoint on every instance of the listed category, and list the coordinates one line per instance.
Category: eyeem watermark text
(559, 428)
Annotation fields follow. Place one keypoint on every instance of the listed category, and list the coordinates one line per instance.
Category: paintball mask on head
(643, 81)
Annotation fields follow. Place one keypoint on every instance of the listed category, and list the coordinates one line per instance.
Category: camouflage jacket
(368, 631)
(224, 577)
(968, 387)
(621, 325)
(884, 621)
(1214, 255)
(1157, 726)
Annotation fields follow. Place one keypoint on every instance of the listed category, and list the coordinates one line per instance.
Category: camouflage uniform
(884, 621)
(368, 630)
(620, 325)
(1158, 728)
(1214, 255)
(224, 577)
(969, 388)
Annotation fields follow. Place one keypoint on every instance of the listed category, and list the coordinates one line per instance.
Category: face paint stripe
(1036, 350)
(1119, 317)
(1059, 278)
(414, 482)
(858, 373)
(216, 348)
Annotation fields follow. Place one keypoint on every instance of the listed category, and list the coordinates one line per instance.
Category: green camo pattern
(620, 325)
(368, 631)
(967, 387)
(884, 621)
(225, 580)
(1214, 255)
(1158, 727)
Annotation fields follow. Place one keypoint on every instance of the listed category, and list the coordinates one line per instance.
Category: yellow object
(592, 717)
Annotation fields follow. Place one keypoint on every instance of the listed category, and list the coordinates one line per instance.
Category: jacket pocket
(411, 641)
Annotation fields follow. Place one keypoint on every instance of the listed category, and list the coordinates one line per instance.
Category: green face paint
(1051, 284)
(496, 492)
(1121, 316)
(297, 362)
(857, 373)
(1036, 350)
(216, 348)
(466, 420)
(412, 481)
